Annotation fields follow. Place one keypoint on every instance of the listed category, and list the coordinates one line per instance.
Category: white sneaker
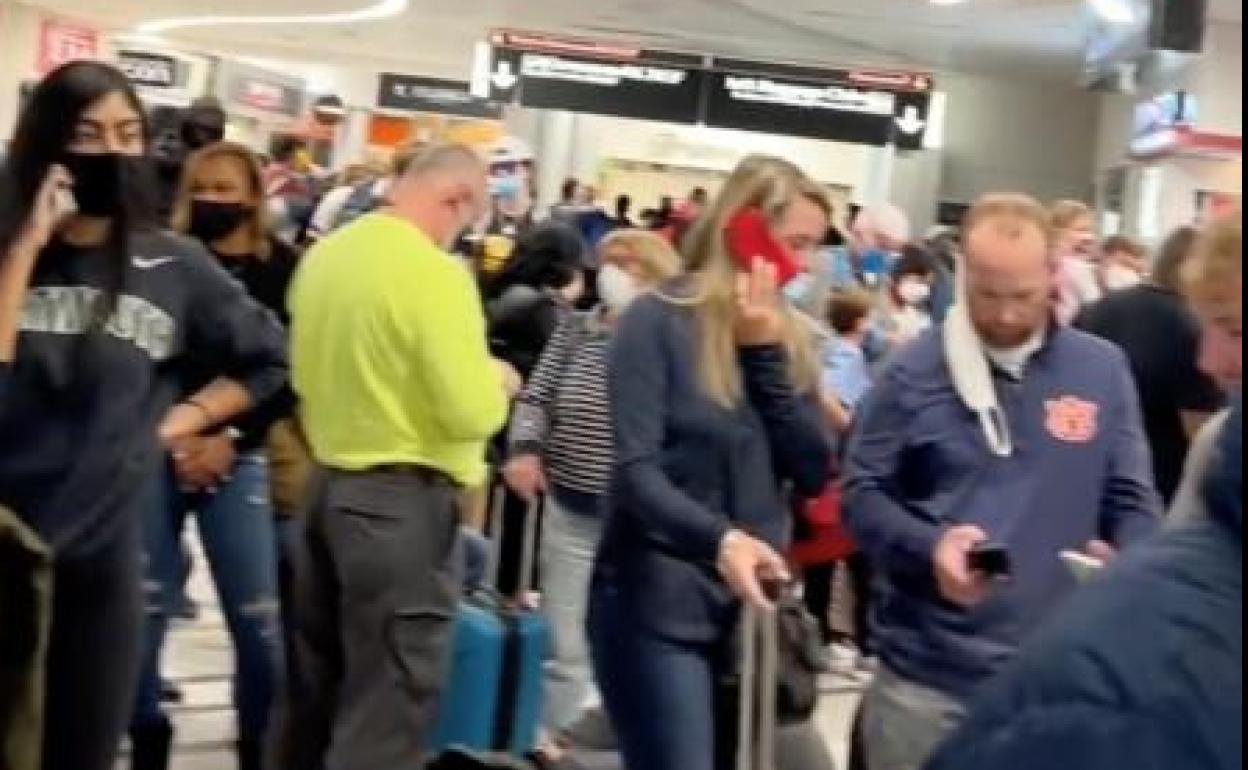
(867, 667)
(841, 659)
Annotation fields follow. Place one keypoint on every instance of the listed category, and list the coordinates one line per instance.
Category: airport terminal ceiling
(1035, 39)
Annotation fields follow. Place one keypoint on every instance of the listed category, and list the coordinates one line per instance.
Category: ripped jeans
(237, 529)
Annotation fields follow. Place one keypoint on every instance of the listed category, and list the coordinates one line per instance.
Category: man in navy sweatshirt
(1002, 428)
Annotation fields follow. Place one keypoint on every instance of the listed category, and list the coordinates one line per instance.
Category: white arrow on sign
(910, 123)
(504, 78)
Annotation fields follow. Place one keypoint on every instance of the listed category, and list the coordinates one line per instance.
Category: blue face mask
(798, 291)
(875, 262)
(507, 187)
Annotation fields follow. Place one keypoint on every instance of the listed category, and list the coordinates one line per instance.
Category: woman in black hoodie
(98, 308)
(542, 280)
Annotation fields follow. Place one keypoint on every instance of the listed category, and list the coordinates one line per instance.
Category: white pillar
(879, 181)
(352, 138)
(555, 151)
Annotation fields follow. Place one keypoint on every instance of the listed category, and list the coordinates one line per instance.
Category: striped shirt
(564, 413)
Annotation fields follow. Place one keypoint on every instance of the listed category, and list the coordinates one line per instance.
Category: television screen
(1173, 110)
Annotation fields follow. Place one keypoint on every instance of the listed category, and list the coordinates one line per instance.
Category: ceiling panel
(1024, 38)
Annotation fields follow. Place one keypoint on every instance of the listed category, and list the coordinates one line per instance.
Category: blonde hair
(651, 252)
(1214, 273)
(181, 219)
(1064, 214)
(769, 184)
(1011, 213)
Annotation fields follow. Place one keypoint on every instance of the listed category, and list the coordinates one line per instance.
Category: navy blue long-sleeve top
(688, 469)
(919, 464)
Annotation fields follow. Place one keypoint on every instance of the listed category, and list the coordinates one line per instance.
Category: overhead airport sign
(259, 93)
(838, 105)
(150, 70)
(858, 106)
(539, 71)
(446, 97)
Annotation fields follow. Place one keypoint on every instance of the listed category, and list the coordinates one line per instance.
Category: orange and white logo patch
(1072, 419)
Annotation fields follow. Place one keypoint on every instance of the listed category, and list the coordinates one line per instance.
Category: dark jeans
(93, 657)
(377, 585)
(661, 695)
(236, 527)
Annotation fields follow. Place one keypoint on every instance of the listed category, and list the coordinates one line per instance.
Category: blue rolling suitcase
(493, 696)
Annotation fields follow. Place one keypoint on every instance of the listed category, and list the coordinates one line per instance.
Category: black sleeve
(229, 327)
(285, 262)
(6, 372)
(799, 447)
(1194, 391)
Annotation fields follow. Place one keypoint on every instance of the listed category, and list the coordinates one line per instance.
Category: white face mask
(1121, 277)
(616, 287)
(914, 293)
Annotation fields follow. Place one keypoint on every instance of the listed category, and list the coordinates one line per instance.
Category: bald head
(881, 226)
(442, 191)
(1009, 269)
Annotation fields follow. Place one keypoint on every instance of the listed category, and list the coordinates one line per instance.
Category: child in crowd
(845, 371)
(847, 378)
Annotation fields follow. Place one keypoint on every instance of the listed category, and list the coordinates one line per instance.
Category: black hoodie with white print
(81, 403)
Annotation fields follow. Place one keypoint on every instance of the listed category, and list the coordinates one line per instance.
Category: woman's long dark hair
(44, 132)
(546, 257)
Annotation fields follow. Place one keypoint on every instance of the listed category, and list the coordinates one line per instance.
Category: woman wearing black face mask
(98, 309)
(221, 204)
(222, 474)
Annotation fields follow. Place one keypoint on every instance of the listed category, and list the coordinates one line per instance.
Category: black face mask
(213, 220)
(100, 181)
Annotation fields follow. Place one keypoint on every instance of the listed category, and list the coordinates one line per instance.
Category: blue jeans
(237, 529)
(660, 694)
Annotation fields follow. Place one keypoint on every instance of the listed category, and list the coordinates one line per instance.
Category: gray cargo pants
(377, 581)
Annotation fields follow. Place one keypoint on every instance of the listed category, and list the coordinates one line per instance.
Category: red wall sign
(62, 42)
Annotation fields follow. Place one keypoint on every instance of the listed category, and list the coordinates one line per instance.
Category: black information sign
(587, 77)
(836, 105)
(151, 70)
(859, 106)
(447, 97)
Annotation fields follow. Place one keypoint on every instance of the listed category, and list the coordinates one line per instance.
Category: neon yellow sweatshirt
(389, 354)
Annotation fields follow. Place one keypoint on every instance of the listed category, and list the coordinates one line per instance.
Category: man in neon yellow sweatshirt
(398, 398)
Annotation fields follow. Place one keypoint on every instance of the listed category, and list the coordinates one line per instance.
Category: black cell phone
(992, 559)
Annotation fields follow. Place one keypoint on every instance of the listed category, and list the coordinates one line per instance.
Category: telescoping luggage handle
(756, 733)
(528, 553)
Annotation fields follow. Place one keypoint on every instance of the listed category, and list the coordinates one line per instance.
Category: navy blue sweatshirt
(687, 469)
(79, 412)
(1143, 669)
(919, 464)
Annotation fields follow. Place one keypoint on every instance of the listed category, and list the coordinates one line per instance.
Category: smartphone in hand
(993, 560)
(1082, 566)
(749, 238)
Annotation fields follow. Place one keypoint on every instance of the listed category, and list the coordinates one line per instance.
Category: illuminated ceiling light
(948, 2)
(382, 9)
(1114, 11)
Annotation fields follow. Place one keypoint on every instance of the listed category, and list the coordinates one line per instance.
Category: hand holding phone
(53, 203)
(750, 240)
